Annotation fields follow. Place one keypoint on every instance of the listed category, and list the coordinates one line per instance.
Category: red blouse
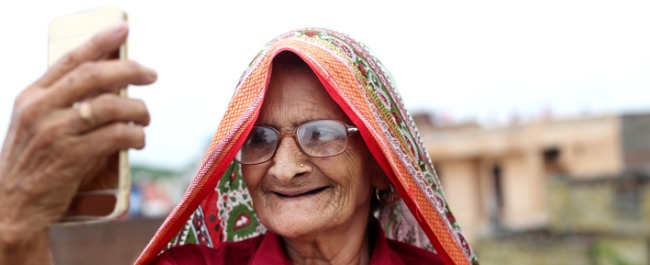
(267, 249)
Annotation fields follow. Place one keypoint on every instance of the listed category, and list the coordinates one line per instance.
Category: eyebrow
(302, 121)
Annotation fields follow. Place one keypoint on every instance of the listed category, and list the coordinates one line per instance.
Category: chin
(297, 225)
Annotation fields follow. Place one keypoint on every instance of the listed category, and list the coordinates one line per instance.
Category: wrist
(24, 246)
(17, 225)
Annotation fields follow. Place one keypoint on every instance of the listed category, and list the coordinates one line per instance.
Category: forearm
(28, 248)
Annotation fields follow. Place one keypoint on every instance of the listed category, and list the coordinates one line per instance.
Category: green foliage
(601, 253)
(141, 173)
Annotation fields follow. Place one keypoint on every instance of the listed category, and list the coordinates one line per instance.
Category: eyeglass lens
(320, 138)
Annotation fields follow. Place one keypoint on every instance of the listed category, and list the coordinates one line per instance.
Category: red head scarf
(217, 206)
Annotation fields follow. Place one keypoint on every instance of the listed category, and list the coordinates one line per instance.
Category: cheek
(252, 176)
(357, 176)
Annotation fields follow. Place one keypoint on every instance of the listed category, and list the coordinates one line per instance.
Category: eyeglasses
(319, 138)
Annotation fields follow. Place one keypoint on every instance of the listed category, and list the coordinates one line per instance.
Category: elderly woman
(314, 146)
(316, 161)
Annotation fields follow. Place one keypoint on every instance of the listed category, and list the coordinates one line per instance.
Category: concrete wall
(607, 206)
(116, 242)
(463, 194)
(525, 199)
(590, 147)
(465, 157)
(636, 141)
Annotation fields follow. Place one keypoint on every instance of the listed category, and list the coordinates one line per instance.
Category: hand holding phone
(105, 194)
(52, 153)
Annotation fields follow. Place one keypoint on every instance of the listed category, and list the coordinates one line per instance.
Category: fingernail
(119, 28)
(153, 75)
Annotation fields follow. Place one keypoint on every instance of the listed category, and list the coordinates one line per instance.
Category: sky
(467, 60)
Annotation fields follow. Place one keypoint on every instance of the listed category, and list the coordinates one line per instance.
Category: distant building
(504, 180)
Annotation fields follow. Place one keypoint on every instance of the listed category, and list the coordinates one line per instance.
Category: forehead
(294, 97)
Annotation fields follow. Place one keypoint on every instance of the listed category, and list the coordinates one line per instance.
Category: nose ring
(301, 165)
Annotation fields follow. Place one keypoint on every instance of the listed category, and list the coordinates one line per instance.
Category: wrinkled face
(325, 194)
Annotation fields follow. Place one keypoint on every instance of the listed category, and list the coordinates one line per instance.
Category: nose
(287, 160)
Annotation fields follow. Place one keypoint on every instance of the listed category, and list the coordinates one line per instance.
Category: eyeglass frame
(292, 133)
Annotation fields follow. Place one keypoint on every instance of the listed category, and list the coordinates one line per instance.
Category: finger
(112, 108)
(92, 78)
(108, 108)
(112, 138)
(97, 47)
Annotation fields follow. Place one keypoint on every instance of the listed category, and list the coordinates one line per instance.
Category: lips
(299, 193)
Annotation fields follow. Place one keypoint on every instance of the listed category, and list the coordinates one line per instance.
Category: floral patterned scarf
(217, 206)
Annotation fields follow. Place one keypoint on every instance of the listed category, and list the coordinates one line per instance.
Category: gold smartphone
(107, 196)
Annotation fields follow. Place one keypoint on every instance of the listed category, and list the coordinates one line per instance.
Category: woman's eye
(259, 137)
(322, 134)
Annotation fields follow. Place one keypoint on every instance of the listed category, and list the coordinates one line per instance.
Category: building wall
(604, 206)
(587, 226)
(636, 141)
(466, 158)
(525, 197)
(98, 243)
(589, 147)
(459, 179)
